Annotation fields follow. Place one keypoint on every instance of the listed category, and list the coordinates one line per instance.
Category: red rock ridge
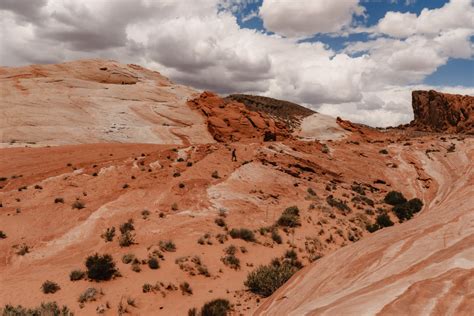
(232, 121)
(443, 112)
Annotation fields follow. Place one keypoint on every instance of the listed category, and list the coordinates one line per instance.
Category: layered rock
(229, 120)
(443, 112)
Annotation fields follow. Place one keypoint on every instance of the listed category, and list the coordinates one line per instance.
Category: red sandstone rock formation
(443, 112)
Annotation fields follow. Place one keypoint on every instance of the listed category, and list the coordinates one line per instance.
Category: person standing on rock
(234, 155)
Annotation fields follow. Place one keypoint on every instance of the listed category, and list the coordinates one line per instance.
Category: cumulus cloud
(202, 45)
(305, 18)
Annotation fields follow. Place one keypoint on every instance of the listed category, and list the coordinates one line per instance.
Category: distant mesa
(442, 112)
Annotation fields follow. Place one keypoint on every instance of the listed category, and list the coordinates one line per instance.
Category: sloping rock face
(443, 112)
(229, 120)
(93, 101)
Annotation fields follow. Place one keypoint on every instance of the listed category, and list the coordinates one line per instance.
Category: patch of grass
(50, 287)
(167, 245)
(77, 275)
(290, 217)
(100, 267)
(242, 233)
(45, 309)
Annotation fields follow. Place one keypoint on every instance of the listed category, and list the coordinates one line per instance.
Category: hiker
(234, 156)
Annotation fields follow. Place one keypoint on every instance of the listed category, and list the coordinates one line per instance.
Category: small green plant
(128, 257)
(231, 261)
(23, 250)
(127, 226)
(242, 233)
(50, 287)
(167, 245)
(290, 217)
(220, 222)
(127, 239)
(185, 288)
(109, 234)
(89, 295)
(77, 275)
(217, 307)
(100, 267)
(276, 237)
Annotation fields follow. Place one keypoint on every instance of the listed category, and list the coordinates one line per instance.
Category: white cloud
(305, 18)
(201, 44)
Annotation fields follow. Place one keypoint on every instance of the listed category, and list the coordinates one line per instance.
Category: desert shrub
(337, 203)
(415, 205)
(2, 235)
(147, 287)
(136, 267)
(217, 307)
(145, 214)
(58, 200)
(153, 263)
(78, 204)
(167, 245)
(231, 261)
(220, 222)
(23, 250)
(100, 267)
(242, 233)
(290, 217)
(383, 151)
(311, 192)
(371, 228)
(50, 287)
(383, 220)
(185, 288)
(109, 234)
(127, 239)
(127, 226)
(394, 198)
(276, 237)
(215, 174)
(45, 309)
(77, 275)
(89, 295)
(265, 280)
(128, 257)
(406, 210)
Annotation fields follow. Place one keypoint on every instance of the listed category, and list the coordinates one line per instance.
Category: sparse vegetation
(217, 307)
(276, 237)
(77, 275)
(128, 258)
(383, 152)
(127, 226)
(2, 235)
(185, 288)
(215, 174)
(59, 200)
(220, 222)
(100, 267)
(78, 204)
(23, 250)
(127, 239)
(109, 234)
(45, 309)
(89, 295)
(337, 203)
(265, 280)
(290, 217)
(383, 220)
(50, 287)
(167, 245)
(242, 233)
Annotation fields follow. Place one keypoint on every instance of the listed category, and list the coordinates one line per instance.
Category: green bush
(185, 288)
(276, 237)
(50, 287)
(127, 226)
(167, 245)
(153, 263)
(109, 234)
(383, 220)
(217, 307)
(290, 217)
(415, 205)
(337, 203)
(127, 239)
(77, 275)
(232, 261)
(100, 267)
(242, 233)
(394, 198)
(406, 210)
(265, 280)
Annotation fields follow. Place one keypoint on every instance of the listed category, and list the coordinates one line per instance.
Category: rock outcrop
(229, 120)
(443, 112)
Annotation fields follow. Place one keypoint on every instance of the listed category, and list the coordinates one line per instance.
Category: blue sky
(456, 72)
